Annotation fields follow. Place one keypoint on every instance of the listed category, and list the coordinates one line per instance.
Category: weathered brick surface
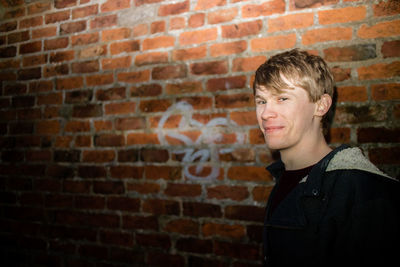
(128, 128)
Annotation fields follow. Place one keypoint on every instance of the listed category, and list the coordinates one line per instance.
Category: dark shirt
(287, 182)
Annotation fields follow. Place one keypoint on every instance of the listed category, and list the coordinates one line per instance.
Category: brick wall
(128, 132)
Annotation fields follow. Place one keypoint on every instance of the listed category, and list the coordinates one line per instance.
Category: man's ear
(323, 105)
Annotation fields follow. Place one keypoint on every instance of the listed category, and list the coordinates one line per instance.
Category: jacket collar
(293, 216)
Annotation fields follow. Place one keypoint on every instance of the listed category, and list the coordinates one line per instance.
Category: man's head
(299, 68)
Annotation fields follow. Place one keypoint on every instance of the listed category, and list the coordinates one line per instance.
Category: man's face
(286, 118)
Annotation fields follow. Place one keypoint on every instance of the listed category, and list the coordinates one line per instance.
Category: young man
(328, 207)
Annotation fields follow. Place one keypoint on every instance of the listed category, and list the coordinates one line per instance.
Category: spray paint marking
(210, 134)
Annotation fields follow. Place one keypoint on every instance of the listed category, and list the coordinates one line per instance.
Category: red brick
(72, 27)
(198, 37)
(38, 8)
(161, 206)
(50, 99)
(300, 4)
(249, 173)
(112, 5)
(151, 58)
(234, 250)
(64, 3)
(185, 87)
(389, 155)
(101, 79)
(381, 29)
(352, 93)
(124, 47)
(99, 156)
(7, 52)
(196, 20)
(85, 39)
(139, 222)
(169, 72)
(342, 15)
(350, 53)
(177, 23)
(86, 11)
(209, 68)
(183, 190)
(273, 43)
(57, 17)
(31, 47)
(104, 22)
(264, 9)
(194, 245)
(116, 63)
(62, 56)
(154, 240)
(154, 155)
(44, 32)
(174, 9)
(123, 203)
(146, 90)
(387, 8)
(134, 77)
(93, 51)
(189, 53)
(340, 74)
(379, 71)
(391, 48)
(54, 44)
(139, 30)
(261, 193)
(157, 26)
(288, 22)
(326, 35)
(48, 127)
(31, 22)
(246, 213)
(103, 125)
(29, 74)
(158, 42)
(207, 4)
(244, 117)
(144, 2)
(242, 30)
(141, 139)
(158, 105)
(115, 34)
(85, 67)
(13, 14)
(117, 238)
(143, 188)
(120, 108)
(34, 60)
(218, 84)
(378, 135)
(116, 93)
(77, 126)
(182, 226)
(234, 100)
(18, 37)
(248, 64)
(339, 135)
(223, 230)
(360, 114)
(237, 193)
(87, 111)
(224, 49)
(222, 16)
(105, 140)
(389, 91)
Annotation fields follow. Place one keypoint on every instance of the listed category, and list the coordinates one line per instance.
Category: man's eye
(261, 102)
(281, 99)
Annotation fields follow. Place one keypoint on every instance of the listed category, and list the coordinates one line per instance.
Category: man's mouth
(272, 129)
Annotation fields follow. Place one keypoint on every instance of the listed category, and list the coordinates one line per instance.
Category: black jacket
(345, 212)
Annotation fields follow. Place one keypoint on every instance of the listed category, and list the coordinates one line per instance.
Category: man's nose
(268, 112)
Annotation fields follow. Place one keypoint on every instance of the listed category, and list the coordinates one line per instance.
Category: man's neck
(305, 155)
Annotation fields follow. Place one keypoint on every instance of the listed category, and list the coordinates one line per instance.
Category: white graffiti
(194, 151)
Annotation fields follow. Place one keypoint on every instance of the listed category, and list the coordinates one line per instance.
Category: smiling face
(286, 118)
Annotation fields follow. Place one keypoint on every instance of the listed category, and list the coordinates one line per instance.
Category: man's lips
(272, 128)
